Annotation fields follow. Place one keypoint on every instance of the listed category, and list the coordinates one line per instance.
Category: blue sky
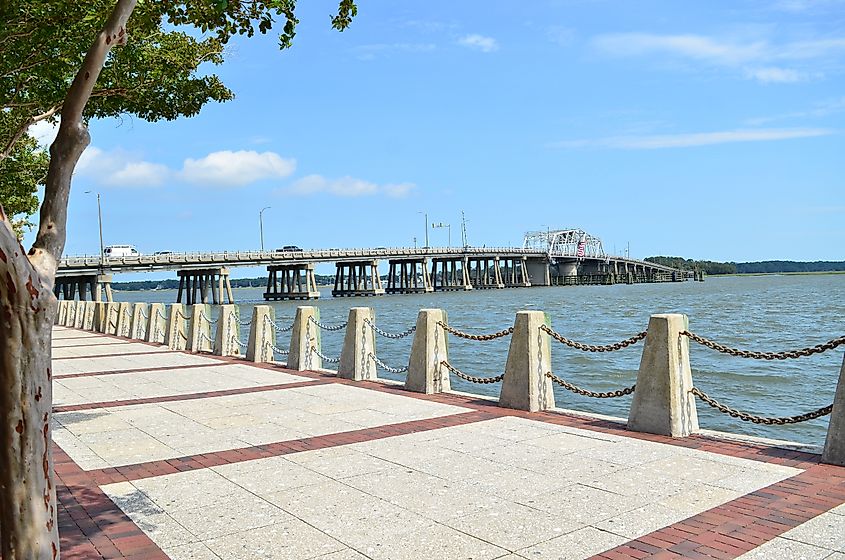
(708, 130)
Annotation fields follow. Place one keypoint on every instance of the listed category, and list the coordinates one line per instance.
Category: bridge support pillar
(538, 271)
(357, 278)
(452, 276)
(291, 281)
(409, 276)
(662, 402)
(197, 283)
(84, 287)
(834, 445)
(525, 386)
(513, 272)
(429, 348)
(486, 273)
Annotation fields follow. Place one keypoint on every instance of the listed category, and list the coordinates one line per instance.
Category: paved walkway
(166, 454)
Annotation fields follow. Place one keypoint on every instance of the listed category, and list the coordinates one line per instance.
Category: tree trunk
(27, 494)
(28, 510)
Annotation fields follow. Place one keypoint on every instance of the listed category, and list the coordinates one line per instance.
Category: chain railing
(587, 393)
(590, 347)
(325, 327)
(386, 367)
(471, 378)
(276, 349)
(786, 355)
(145, 315)
(276, 327)
(186, 317)
(205, 338)
(324, 357)
(159, 334)
(160, 315)
(477, 337)
(386, 334)
(204, 317)
(734, 413)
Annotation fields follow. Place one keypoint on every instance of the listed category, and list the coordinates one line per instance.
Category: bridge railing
(664, 395)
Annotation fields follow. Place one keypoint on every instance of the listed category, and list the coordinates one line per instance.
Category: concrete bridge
(568, 257)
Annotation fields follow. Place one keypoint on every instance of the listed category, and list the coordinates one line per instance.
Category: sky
(708, 130)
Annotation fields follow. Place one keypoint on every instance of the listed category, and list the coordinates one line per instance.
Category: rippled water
(766, 313)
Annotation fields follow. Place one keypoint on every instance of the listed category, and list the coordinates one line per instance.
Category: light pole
(426, 227)
(449, 228)
(100, 223)
(261, 225)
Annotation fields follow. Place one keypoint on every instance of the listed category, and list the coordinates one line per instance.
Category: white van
(121, 251)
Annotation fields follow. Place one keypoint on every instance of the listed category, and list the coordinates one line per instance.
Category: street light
(261, 224)
(426, 228)
(100, 222)
(442, 225)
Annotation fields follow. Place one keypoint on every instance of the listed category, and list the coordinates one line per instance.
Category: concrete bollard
(525, 386)
(228, 333)
(62, 313)
(199, 328)
(79, 314)
(358, 343)
(662, 402)
(305, 336)
(100, 317)
(138, 325)
(57, 320)
(175, 337)
(834, 445)
(261, 334)
(110, 323)
(124, 319)
(88, 318)
(156, 324)
(429, 348)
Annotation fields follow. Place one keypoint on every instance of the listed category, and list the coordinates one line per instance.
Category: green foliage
(20, 175)
(156, 75)
(710, 267)
(762, 267)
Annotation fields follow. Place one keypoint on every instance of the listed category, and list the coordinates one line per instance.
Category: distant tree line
(714, 267)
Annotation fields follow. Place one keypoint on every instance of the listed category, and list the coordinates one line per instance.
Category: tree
(43, 74)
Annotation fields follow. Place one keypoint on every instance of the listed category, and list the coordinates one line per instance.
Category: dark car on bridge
(289, 249)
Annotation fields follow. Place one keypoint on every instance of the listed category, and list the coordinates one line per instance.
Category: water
(766, 313)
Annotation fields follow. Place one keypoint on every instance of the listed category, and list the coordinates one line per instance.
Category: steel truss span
(571, 243)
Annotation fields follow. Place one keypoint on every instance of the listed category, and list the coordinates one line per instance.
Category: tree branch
(71, 141)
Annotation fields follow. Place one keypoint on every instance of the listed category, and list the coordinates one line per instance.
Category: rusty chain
(592, 348)
(823, 411)
(789, 354)
(471, 378)
(593, 394)
(477, 337)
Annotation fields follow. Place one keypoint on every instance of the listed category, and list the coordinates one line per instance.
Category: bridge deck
(166, 454)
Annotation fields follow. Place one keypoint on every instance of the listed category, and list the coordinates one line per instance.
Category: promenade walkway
(168, 454)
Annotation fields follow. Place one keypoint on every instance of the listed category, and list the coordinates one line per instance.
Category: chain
(145, 315)
(238, 342)
(824, 411)
(586, 393)
(386, 334)
(478, 337)
(180, 314)
(276, 349)
(160, 314)
(590, 348)
(470, 378)
(789, 354)
(324, 357)
(159, 334)
(183, 335)
(276, 326)
(328, 327)
(205, 337)
(386, 367)
(204, 317)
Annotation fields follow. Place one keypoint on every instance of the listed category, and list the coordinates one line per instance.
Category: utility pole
(261, 225)
(464, 240)
(426, 228)
(100, 222)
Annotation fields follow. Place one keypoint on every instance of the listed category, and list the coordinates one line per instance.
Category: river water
(764, 313)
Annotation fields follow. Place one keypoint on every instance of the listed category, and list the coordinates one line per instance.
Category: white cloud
(754, 57)
(347, 187)
(44, 132)
(651, 142)
(479, 42)
(119, 168)
(370, 52)
(236, 169)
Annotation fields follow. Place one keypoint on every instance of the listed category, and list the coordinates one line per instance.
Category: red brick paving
(726, 531)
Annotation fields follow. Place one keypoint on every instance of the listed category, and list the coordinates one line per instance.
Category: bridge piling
(525, 385)
(429, 347)
(196, 283)
(662, 402)
(357, 278)
(408, 276)
(291, 281)
(451, 277)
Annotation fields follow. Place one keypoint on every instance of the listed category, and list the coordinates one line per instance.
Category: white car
(121, 251)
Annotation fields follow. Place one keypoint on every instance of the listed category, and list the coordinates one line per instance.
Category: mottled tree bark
(28, 508)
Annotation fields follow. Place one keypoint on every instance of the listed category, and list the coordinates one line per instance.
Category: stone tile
(194, 551)
(435, 541)
(641, 481)
(190, 490)
(584, 504)
(163, 529)
(692, 501)
(513, 526)
(345, 554)
(576, 545)
(749, 478)
(266, 476)
(229, 516)
(785, 548)
(340, 462)
(826, 531)
(284, 541)
(640, 521)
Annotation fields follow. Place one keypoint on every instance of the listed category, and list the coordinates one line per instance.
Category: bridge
(560, 257)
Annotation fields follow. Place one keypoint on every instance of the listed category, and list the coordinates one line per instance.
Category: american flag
(582, 246)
